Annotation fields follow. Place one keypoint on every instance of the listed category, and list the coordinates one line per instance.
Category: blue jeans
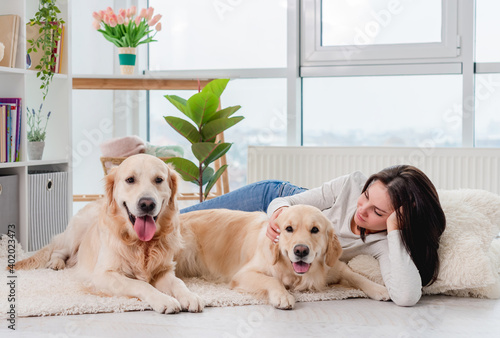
(252, 197)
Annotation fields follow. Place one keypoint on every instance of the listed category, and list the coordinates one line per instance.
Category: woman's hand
(273, 231)
(392, 221)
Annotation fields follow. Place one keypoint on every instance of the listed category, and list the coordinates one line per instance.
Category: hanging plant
(47, 17)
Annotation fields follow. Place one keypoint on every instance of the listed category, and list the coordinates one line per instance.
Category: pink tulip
(110, 11)
(149, 14)
(138, 20)
(154, 20)
(96, 24)
(97, 16)
(158, 27)
(131, 11)
(122, 13)
(105, 18)
(120, 19)
(113, 20)
(144, 13)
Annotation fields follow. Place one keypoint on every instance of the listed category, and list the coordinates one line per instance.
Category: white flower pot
(35, 150)
(127, 57)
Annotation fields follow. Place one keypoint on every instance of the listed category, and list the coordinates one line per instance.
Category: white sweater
(337, 199)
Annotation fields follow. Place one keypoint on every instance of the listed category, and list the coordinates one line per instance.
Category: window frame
(314, 54)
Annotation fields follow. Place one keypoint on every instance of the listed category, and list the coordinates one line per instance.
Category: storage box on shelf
(20, 82)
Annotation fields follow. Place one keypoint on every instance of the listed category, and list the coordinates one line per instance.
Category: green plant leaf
(213, 180)
(226, 112)
(220, 150)
(202, 106)
(184, 128)
(208, 172)
(216, 86)
(202, 150)
(187, 169)
(207, 152)
(215, 127)
(179, 103)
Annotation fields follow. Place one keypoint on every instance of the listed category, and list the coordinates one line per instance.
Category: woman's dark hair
(419, 214)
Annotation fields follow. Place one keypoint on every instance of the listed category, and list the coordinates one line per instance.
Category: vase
(127, 56)
(35, 150)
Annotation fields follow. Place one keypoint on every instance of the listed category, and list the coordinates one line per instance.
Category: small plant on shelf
(37, 127)
(207, 123)
(48, 19)
(125, 29)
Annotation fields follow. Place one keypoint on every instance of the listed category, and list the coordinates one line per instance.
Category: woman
(394, 215)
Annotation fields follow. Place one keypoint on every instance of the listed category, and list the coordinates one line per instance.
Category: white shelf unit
(23, 83)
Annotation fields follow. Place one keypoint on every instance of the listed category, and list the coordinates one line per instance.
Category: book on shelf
(9, 32)
(3, 136)
(10, 129)
(33, 33)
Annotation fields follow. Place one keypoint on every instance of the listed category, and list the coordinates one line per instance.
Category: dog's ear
(274, 252)
(334, 249)
(173, 182)
(109, 185)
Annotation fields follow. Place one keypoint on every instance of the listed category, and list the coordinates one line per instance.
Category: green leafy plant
(37, 129)
(47, 17)
(207, 123)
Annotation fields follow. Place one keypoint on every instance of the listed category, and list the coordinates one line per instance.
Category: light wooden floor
(434, 316)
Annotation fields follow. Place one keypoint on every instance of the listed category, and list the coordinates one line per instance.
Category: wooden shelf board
(136, 83)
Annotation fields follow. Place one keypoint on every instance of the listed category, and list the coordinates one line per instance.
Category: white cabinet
(20, 82)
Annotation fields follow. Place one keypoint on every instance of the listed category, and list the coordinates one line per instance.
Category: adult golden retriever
(124, 244)
(231, 246)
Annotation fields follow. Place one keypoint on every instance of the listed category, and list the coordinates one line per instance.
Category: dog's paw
(191, 302)
(377, 292)
(56, 264)
(165, 304)
(282, 300)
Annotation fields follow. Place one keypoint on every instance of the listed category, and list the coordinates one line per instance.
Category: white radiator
(309, 167)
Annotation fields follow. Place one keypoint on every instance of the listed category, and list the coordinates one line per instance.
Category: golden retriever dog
(231, 246)
(124, 243)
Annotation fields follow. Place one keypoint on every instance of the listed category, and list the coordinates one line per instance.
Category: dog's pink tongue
(301, 267)
(145, 228)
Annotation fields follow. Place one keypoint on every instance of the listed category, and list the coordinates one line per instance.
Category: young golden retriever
(231, 246)
(124, 244)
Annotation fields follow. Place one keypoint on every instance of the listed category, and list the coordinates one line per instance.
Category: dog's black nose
(147, 204)
(301, 250)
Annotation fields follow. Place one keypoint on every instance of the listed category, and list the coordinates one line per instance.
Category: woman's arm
(400, 274)
(322, 197)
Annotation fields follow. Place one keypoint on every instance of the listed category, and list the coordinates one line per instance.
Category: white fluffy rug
(47, 292)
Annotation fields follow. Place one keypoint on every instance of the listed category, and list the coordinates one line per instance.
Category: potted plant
(127, 31)
(47, 18)
(206, 123)
(36, 133)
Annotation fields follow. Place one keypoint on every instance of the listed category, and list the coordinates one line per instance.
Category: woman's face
(374, 207)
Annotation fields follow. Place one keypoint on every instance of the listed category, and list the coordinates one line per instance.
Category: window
(487, 30)
(372, 73)
(380, 22)
(487, 79)
(343, 31)
(219, 34)
(487, 110)
(383, 111)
